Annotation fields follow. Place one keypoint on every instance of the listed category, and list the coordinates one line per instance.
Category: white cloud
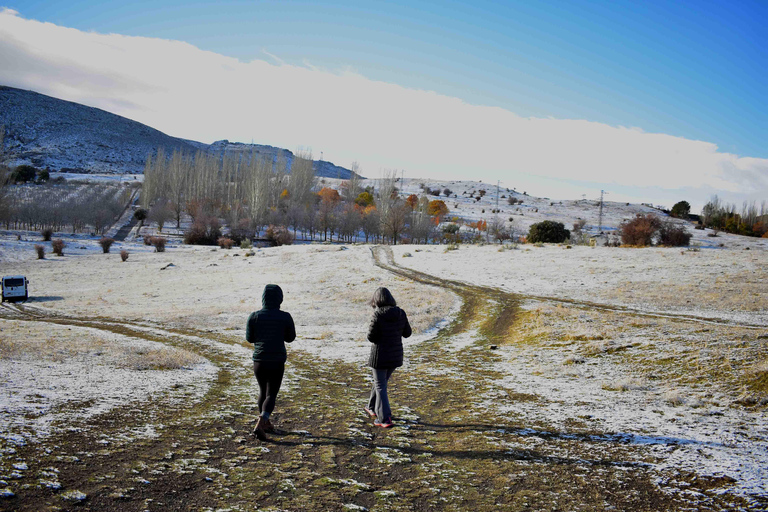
(191, 93)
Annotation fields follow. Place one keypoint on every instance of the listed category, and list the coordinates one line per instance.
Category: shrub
(123, 255)
(447, 192)
(204, 231)
(672, 234)
(241, 231)
(640, 230)
(159, 243)
(246, 244)
(279, 235)
(225, 243)
(58, 247)
(512, 200)
(47, 234)
(578, 226)
(106, 243)
(141, 214)
(147, 240)
(681, 209)
(23, 174)
(548, 232)
(451, 231)
(40, 252)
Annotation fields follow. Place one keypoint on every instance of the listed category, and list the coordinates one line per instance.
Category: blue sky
(693, 69)
(653, 101)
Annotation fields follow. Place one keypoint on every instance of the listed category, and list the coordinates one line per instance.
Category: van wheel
(26, 296)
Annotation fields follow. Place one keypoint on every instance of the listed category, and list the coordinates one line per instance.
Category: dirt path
(449, 451)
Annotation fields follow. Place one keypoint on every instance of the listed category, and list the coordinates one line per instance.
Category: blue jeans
(379, 401)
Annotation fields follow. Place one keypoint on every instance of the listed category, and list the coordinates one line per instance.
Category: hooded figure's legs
(379, 400)
(269, 375)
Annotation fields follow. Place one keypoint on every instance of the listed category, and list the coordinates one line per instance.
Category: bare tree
(393, 224)
(302, 179)
(371, 223)
(351, 188)
(160, 213)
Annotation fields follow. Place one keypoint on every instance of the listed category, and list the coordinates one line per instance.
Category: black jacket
(269, 327)
(389, 326)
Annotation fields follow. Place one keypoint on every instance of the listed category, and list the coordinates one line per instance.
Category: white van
(15, 288)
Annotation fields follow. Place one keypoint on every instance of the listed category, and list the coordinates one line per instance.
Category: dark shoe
(370, 412)
(268, 427)
(258, 430)
(387, 423)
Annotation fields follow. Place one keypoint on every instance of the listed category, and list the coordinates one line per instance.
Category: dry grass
(33, 341)
(564, 325)
(680, 352)
(166, 358)
(738, 291)
(626, 384)
(757, 378)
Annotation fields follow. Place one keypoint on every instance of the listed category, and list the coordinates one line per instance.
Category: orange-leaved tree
(437, 208)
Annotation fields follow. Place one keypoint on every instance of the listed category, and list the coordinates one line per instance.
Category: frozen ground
(652, 349)
(584, 365)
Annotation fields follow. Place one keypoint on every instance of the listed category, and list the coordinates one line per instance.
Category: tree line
(249, 193)
(750, 220)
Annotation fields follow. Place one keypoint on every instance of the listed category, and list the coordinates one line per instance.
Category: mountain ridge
(60, 135)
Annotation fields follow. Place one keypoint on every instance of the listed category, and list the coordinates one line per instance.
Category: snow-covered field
(326, 290)
(593, 322)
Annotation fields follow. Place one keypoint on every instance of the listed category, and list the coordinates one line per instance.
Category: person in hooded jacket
(269, 329)
(389, 325)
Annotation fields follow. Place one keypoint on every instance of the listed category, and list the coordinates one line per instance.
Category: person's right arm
(250, 331)
(373, 330)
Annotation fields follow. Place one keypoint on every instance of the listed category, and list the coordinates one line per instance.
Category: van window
(14, 282)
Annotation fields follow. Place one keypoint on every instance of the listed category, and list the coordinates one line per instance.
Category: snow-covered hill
(64, 136)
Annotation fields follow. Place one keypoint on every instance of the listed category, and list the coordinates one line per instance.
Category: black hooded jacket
(269, 327)
(389, 326)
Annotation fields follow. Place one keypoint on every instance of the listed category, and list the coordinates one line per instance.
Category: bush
(640, 230)
(159, 243)
(681, 209)
(279, 235)
(123, 255)
(40, 252)
(548, 232)
(47, 234)
(23, 174)
(58, 247)
(241, 231)
(246, 244)
(204, 231)
(672, 234)
(512, 200)
(225, 243)
(141, 214)
(447, 192)
(106, 243)
(147, 240)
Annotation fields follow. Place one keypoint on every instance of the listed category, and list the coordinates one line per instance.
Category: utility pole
(600, 216)
(497, 194)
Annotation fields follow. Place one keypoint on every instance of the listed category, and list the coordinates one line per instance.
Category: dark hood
(272, 297)
(388, 313)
